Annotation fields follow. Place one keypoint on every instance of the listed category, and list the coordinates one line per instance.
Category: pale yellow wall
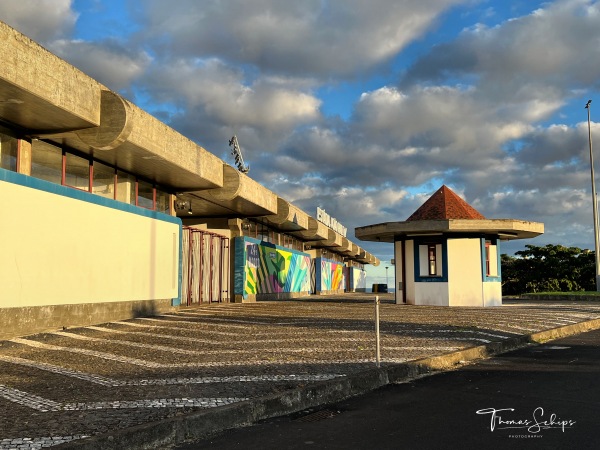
(492, 293)
(57, 250)
(464, 272)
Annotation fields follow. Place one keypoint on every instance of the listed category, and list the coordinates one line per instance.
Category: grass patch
(571, 293)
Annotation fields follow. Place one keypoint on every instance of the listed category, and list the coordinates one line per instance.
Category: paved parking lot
(65, 385)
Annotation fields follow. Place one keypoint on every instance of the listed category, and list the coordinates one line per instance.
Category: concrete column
(24, 155)
(235, 225)
(172, 198)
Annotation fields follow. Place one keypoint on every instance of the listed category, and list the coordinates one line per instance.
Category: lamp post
(386, 275)
(594, 198)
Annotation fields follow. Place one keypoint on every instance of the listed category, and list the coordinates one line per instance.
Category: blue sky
(362, 107)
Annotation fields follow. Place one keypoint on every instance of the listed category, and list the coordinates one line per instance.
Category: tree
(553, 268)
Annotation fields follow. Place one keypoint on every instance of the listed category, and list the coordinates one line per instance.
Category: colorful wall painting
(330, 275)
(265, 268)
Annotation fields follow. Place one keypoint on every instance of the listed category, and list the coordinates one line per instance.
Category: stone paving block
(60, 387)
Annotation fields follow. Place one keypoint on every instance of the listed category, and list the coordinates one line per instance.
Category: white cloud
(41, 20)
(324, 38)
(109, 62)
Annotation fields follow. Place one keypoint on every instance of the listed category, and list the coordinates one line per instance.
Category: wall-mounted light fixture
(182, 205)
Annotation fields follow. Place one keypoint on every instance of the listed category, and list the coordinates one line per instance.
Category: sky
(362, 107)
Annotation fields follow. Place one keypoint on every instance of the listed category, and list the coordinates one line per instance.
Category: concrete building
(448, 254)
(107, 213)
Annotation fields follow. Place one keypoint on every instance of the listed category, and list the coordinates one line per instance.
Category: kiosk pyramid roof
(444, 204)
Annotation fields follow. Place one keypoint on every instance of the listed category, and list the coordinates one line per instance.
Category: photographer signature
(535, 424)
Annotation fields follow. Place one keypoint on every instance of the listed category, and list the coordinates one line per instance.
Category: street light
(386, 277)
(594, 198)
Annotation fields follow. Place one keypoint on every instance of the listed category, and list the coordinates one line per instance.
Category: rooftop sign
(332, 223)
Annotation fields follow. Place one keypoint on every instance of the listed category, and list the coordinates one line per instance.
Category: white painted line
(96, 379)
(163, 348)
(205, 341)
(44, 405)
(28, 400)
(155, 365)
(27, 443)
(155, 403)
(104, 381)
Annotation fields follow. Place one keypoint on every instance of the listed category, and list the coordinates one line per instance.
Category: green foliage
(551, 268)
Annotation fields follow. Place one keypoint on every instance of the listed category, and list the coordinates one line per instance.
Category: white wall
(433, 294)
(464, 272)
(58, 250)
(398, 271)
(409, 284)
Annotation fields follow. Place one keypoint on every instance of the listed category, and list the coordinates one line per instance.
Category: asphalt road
(545, 396)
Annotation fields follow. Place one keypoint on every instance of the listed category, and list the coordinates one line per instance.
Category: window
(145, 195)
(430, 256)
(46, 162)
(77, 172)
(432, 260)
(163, 202)
(51, 163)
(104, 180)
(8, 152)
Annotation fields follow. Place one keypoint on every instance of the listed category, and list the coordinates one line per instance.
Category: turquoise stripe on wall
(239, 272)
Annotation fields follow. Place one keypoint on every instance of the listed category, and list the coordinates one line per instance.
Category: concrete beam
(39, 91)
(135, 141)
(240, 194)
(288, 217)
(316, 231)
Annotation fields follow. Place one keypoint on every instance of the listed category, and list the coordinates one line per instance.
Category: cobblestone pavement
(65, 385)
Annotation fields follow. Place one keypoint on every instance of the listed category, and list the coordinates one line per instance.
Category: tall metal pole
(594, 199)
(386, 276)
(377, 343)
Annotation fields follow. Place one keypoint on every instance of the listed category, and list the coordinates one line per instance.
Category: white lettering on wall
(332, 223)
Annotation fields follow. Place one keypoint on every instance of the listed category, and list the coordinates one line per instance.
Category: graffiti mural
(270, 269)
(331, 276)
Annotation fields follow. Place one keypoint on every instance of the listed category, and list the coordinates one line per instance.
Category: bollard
(377, 347)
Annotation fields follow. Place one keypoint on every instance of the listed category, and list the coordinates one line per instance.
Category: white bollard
(377, 346)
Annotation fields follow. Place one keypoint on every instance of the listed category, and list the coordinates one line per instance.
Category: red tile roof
(445, 204)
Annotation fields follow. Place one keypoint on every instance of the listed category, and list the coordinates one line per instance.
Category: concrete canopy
(446, 213)
(506, 229)
(240, 195)
(42, 97)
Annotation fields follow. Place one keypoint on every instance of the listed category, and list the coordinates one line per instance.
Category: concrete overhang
(40, 92)
(240, 195)
(354, 251)
(334, 240)
(361, 255)
(505, 229)
(316, 231)
(135, 141)
(348, 248)
(288, 217)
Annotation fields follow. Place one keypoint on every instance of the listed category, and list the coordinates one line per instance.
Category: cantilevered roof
(446, 213)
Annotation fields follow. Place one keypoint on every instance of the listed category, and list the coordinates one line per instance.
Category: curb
(201, 424)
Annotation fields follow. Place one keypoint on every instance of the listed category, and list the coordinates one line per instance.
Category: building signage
(332, 223)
